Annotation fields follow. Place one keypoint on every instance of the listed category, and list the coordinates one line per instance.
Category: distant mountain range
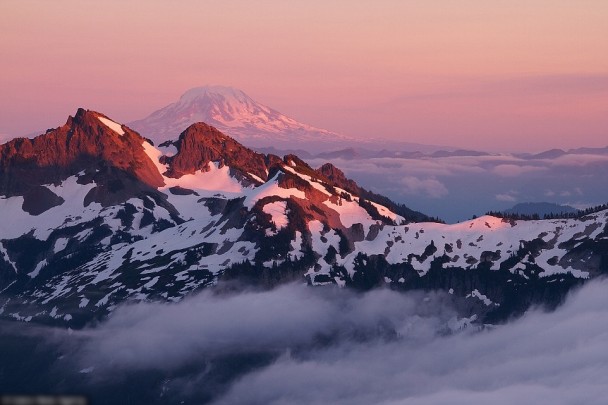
(556, 153)
(540, 208)
(363, 152)
(93, 215)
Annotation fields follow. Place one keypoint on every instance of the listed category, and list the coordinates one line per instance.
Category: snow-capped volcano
(231, 111)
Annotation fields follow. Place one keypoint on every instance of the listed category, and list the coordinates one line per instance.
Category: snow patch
(39, 267)
(278, 211)
(114, 126)
(350, 212)
(271, 188)
(151, 283)
(60, 244)
(476, 294)
(83, 302)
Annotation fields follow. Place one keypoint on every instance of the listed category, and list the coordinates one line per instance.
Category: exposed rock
(80, 144)
(38, 199)
(201, 144)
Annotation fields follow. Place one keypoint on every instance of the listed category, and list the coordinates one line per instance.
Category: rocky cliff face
(113, 158)
(92, 214)
(200, 144)
(338, 177)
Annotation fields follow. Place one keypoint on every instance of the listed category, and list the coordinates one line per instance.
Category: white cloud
(578, 160)
(162, 336)
(543, 358)
(485, 177)
(330, 345)
(430, 187)
(506, 197)
(509, 170)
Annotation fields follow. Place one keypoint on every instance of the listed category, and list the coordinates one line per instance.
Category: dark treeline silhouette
(560, 215)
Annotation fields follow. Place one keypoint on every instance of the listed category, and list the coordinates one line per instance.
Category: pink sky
(498, 75)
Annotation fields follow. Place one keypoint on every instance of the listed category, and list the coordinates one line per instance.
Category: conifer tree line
(560, 215)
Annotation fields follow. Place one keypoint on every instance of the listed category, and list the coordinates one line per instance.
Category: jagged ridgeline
(92, 215)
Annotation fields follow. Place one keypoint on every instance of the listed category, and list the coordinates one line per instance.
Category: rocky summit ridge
(93, 215)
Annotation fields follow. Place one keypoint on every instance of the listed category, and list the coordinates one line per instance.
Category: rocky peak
(88, 140)
(338, 177)
(200, 144)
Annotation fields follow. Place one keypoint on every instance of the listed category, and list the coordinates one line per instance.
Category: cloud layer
(443, 186)
(156, 335)
(302, 345)
(543, 358)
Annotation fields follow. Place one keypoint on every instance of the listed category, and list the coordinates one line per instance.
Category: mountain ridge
(540, 208)
(221, 211)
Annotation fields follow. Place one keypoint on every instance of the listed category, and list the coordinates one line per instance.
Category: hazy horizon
(475, 75)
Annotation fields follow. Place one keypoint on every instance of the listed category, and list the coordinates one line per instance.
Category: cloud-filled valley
(319, 345)
(497, 182)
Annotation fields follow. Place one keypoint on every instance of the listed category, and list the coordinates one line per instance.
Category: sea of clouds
(443, 186)
(326, 345)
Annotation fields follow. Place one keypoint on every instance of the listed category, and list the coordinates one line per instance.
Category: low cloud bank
(425, 184)
(302, 345)
(162, 336)
(542, 358)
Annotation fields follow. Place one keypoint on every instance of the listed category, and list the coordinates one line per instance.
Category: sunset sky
(494, 75)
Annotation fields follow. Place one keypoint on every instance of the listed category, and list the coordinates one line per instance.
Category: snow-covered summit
(231, 111)
(214, 90)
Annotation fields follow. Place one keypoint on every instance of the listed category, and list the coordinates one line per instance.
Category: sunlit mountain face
(189, 269)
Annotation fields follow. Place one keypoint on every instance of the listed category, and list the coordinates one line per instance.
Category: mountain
(557, 153)
(348, 153)
(457, 153)
(232, 111)
(365, 151)
(549, 154)
(540, 208)
(591, 151)
(94, 215)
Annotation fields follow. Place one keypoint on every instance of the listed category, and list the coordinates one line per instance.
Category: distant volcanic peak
(230, 108)
(232, 111)
(213, 90)
(224, 104)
